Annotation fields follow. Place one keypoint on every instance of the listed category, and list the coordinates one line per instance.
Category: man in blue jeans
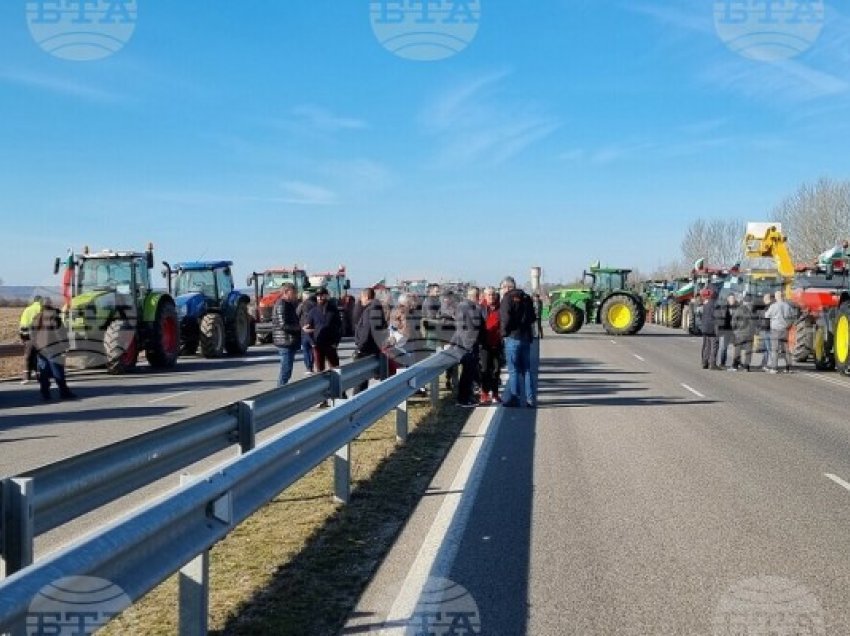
(517, 317)
(286, 331)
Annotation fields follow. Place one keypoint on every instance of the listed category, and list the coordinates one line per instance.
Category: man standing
(308, 301)
(370, 329)
(325, 326)
(468, 322)
(538, 315)
(30, 358)
(708, 325)
(516, 315)
(743, 332)
(781, 316)
(491, 348)
(286, 331)
(724, 328)
(50, 340)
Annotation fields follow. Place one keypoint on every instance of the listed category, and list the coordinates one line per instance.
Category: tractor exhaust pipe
(536, 275)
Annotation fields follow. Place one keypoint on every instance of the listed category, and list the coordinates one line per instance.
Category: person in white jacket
(781, 317)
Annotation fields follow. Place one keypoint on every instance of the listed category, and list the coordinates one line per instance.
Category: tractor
(267, 290)
(687, 297)
(213, 314)
(603, 298)
(337, 284)
(112, 312)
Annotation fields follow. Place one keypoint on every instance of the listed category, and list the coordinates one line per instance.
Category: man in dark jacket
(516, 315)
(468, 322)
(50, 341)
(308, 301)
(744, 330)
(324, 324)
(708, 325)
(286, 331)
(370, 329)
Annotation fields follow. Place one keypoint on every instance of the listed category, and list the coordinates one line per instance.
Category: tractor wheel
(804, 332)
(566, 319)
(675, 315)
(164, 345)
(121, 346)
(841, 343)
(822, 348)
(240, 332)
(621, 315)
(212, 336)
(189, 347)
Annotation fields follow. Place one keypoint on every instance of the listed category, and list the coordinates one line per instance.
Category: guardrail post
(194, 591)
(336, 385)
(384, 368)
(401, 422)
(18, 524)
(247, 428)
(342, 474)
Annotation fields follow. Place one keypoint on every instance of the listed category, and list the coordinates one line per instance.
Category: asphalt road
(644, 496)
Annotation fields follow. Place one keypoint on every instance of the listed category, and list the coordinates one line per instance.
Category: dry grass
(299, 564)
(9, 320)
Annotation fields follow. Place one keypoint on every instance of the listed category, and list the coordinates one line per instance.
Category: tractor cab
(337, 284)
(268, 286)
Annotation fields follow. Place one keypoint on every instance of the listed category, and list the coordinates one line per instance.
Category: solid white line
(692, 390)
(837, 480)
(638, 357)
(168, 397)
(442, 542)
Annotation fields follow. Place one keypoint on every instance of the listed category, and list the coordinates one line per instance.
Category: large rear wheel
(566, 319)
(675, 315)
(164, 345)
(212, 336)
(622, 315)
(238, 338)
(121, 346)
(822, 348)
(804, 332)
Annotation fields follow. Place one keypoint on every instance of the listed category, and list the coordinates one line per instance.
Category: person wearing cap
(324, 325)
(708, 324)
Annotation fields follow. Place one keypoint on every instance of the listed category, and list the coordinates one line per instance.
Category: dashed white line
(692, 390)
(828, 379)
(837, 480)
(168, 397)
(638, 357)
(613, 342)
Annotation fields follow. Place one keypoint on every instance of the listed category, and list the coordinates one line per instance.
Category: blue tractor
(213, 314)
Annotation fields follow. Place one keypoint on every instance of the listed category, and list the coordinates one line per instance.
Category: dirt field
(9, 316)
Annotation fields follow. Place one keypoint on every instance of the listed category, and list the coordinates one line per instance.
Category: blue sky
(277, 132)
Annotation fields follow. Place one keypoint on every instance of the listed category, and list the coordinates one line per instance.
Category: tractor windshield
(275, 280)
(609, 281)
(195, 281)
(101, 274)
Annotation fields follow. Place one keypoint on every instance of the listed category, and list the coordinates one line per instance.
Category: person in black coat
(324, 325)
(469, 321)
(370, 329)
(286, 331)
(744, 325)
(708, 325)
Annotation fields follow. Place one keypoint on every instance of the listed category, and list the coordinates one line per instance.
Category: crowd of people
(746, 325)
(489, 328)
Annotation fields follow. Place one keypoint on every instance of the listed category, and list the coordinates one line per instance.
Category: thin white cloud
(326, 121)
(475, 123)
(59, 85)
(301, 193)
(360, 174)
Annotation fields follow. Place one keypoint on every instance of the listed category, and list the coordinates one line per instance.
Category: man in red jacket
(491, 353)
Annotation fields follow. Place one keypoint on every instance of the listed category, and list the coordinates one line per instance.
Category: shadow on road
(83, 416)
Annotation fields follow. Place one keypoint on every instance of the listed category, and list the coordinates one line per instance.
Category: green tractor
(112, 312)
(603, 298)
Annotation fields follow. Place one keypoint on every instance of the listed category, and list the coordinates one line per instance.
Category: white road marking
(692, 390)
(837, 480)
(442, 542)
(829, 379)
(638, 357)
(613, 342)
(168, 397)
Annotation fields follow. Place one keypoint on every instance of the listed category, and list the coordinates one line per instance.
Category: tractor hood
(88, 298)
(192, 304)
(270, 299)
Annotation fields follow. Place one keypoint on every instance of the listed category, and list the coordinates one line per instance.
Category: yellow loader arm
(766, 240)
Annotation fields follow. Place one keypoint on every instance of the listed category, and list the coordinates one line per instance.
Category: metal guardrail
(12, 350)
(138, 552)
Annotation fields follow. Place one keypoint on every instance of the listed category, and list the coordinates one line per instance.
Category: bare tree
(718, 241)
(815, 217)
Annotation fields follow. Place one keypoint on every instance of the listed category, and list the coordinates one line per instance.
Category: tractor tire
(822, 348)
(841, 341)
(164, 345)
(238, 338)
(621, 315)
(675, 315)
(189, 347)
(120, 342)
(803, 346)
(566, 319)
(212, 336)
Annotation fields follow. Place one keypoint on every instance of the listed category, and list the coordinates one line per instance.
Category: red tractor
(267, 290)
